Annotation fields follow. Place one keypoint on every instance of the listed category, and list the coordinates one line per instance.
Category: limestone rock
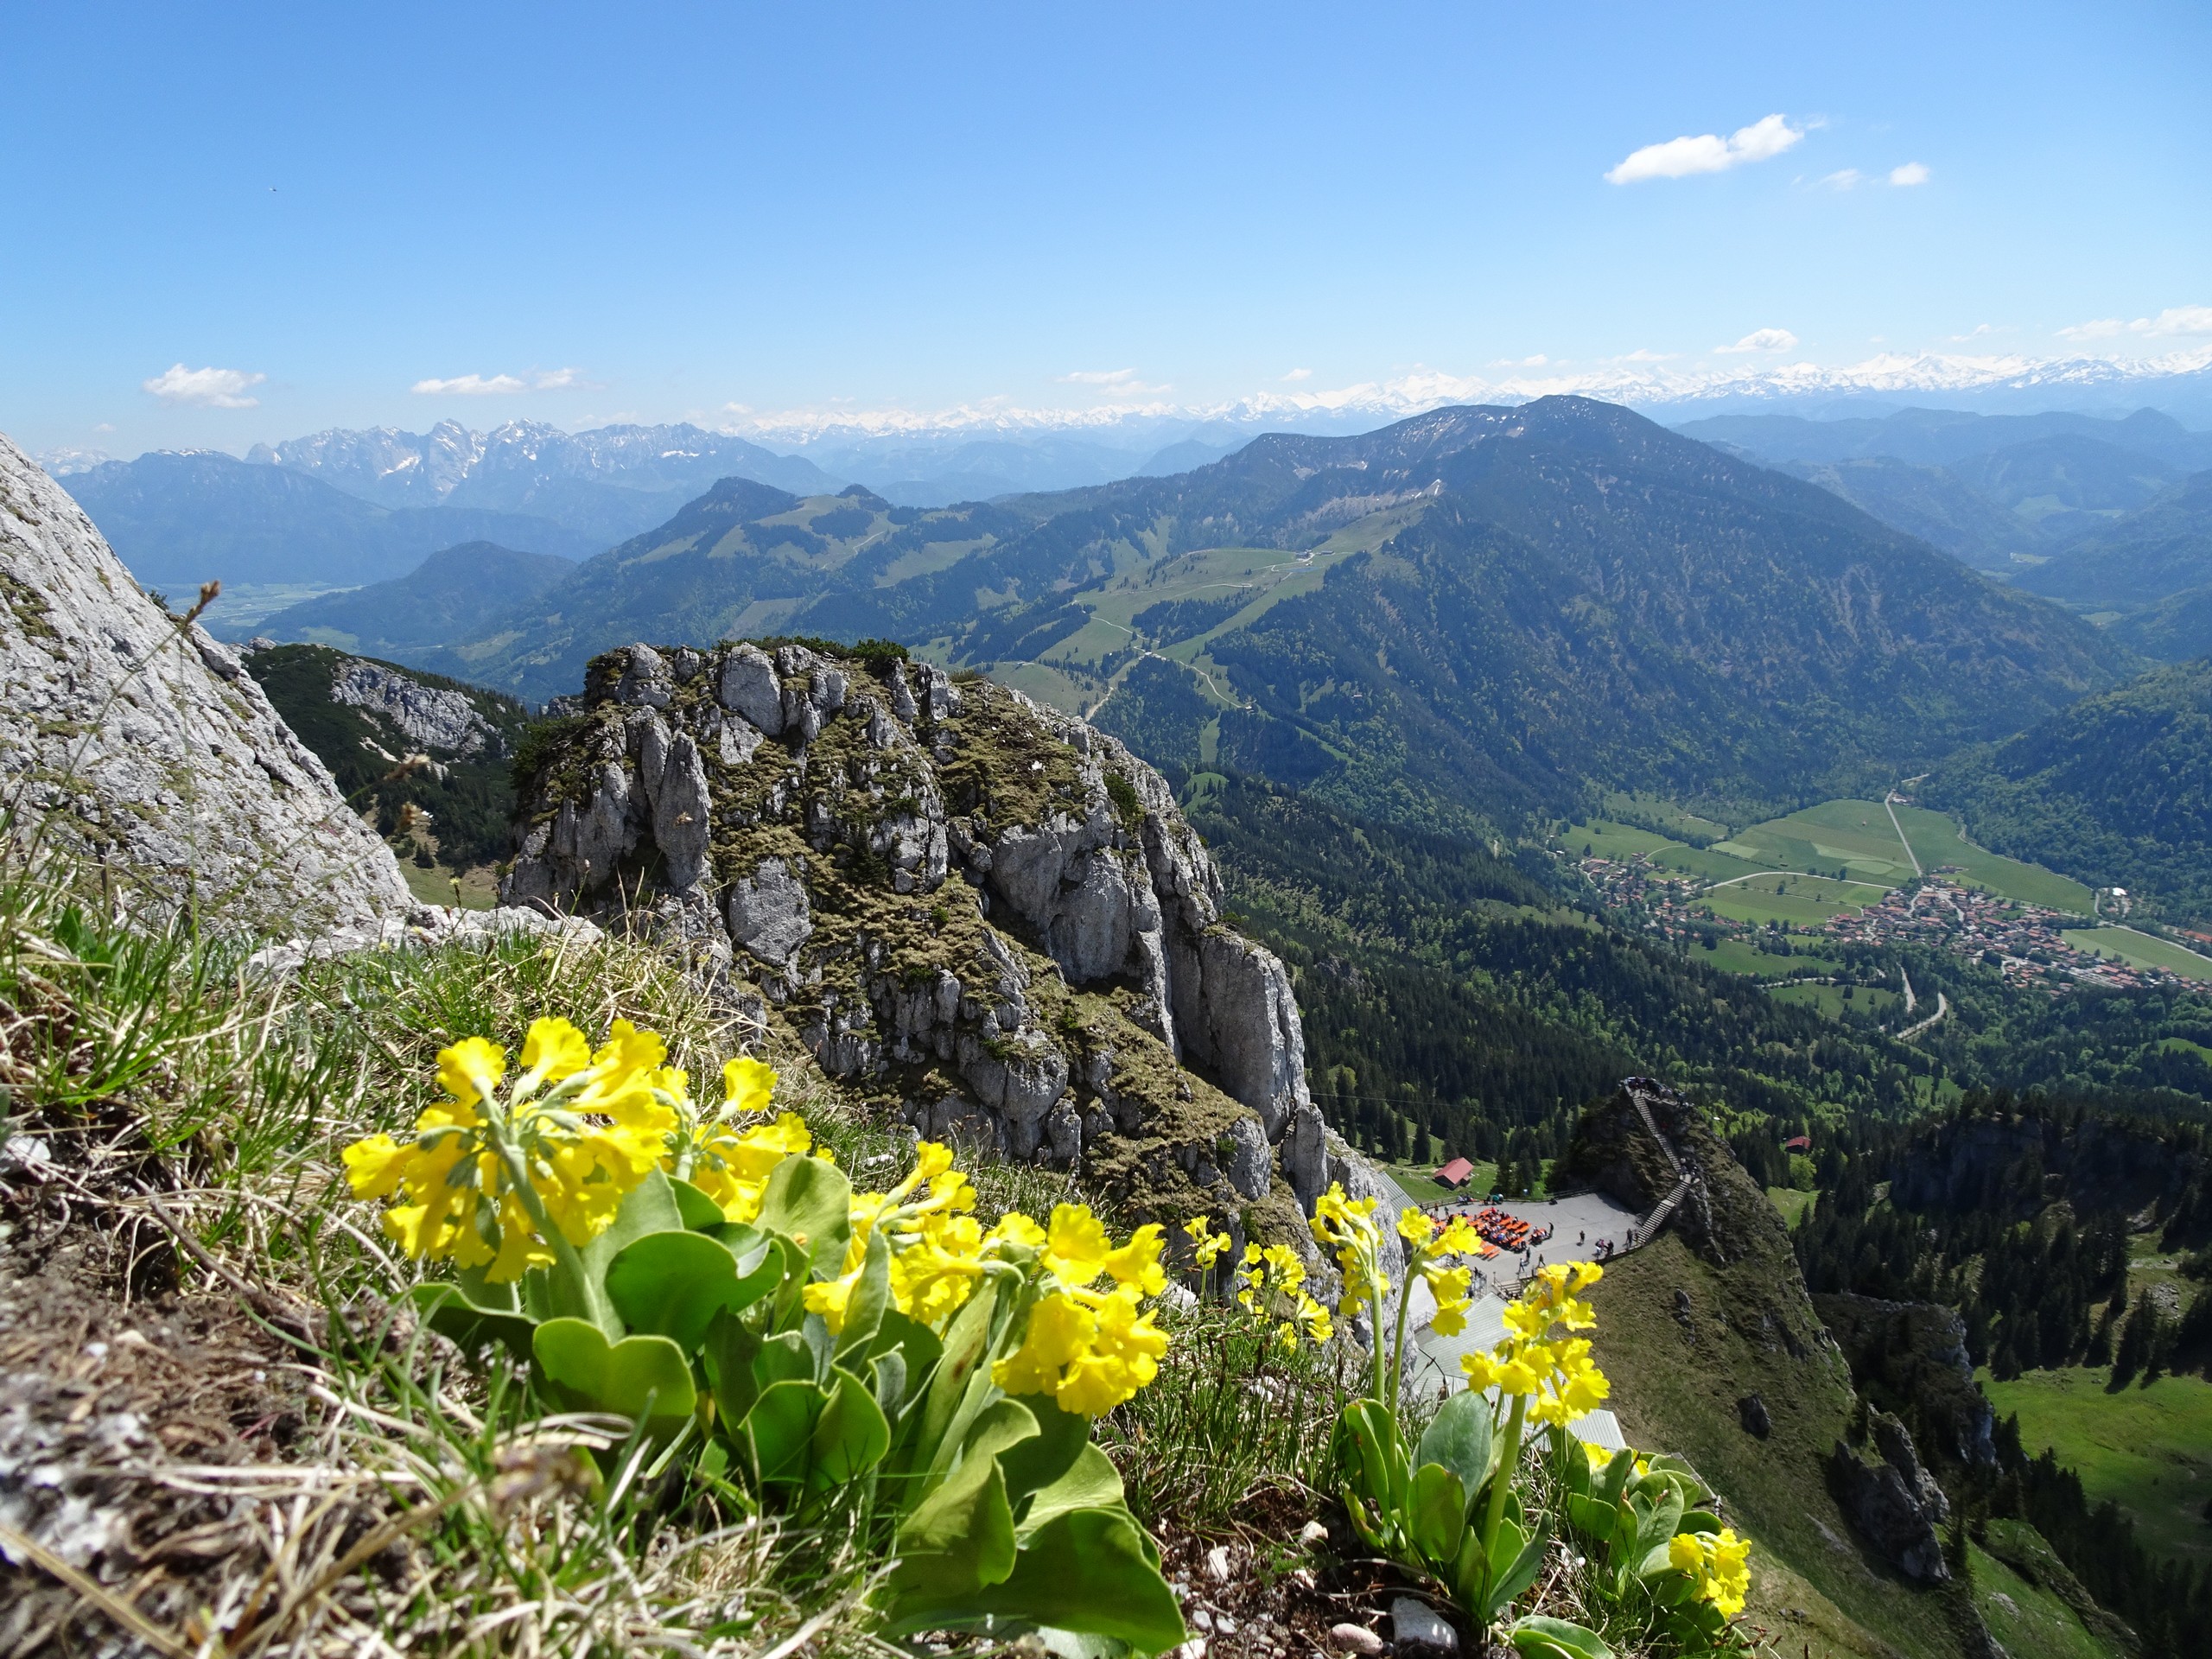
(1892, 1498)
(960, 900)
(429, 716)
(145, 745)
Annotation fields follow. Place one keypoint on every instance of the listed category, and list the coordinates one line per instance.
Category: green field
(1850, 843)
(2141, 949)
(2149, 1450)
(1790, 1202)
(1832, 1001)
(1848, 839)
(1939, 841)
(1804, 900)
(1734, 956)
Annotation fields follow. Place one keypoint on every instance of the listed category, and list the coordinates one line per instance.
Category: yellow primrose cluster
(1272, 1285)
(1433, 1247)
(725, 1157)
(1348, 1226)
(938, 1251)
(1719, 1562)
(1206, 1245)
(1089, 1349)
(1535, 1358)
(487, 1181)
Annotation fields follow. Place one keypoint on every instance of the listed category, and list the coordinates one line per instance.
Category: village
(2027, 944)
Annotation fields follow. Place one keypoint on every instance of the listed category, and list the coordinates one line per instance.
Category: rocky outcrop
(430, 717)
(1892, 1498)
(1911, 1357)
(978, 907)
(142, 743)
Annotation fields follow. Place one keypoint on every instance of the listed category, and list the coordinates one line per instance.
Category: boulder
(136, 740)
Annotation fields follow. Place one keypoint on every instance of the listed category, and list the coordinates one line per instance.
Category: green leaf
(850, 1437)
(453, 1314)
(1037, 1462)
(966, 1344)
(787, 1356)
(1509, 1579)
(888, 1372)
(1091, 1482)
(1437, 1515)
(730, 1349)
(673, 1284)
(1556, 1638)
(1377, 1461)
(701, 1213)
(781, 1425)
(810, 1200)
(648, 1207)
(1461, 1438)
(959, 1542)
(1658, 1523)
(870, 1301)
(1086, 1571)
(646, 1379)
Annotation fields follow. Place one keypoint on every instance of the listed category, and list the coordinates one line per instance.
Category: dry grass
(420, 1504)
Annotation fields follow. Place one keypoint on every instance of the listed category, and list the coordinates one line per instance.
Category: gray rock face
(431, 718)
(942, 884)
(1892, 1499)
(148, 747)
(768, 912)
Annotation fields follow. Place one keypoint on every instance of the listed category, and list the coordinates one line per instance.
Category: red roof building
(1456, 1172)
(1798, 1143)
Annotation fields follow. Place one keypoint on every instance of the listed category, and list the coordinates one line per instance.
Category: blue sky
(730, 214)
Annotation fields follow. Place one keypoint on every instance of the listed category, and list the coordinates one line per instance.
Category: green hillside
(1471, 618)
(448, 596)
(2116, 791)
(447, 814)
(2161, 550)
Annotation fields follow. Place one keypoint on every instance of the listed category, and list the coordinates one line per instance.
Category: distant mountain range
(1472, 615)
(2107, 515)
(177, 518)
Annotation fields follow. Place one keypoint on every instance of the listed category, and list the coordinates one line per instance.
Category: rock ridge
(988, 913)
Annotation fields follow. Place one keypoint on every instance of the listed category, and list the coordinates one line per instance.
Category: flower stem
(567, 1263)
(1508, 1466)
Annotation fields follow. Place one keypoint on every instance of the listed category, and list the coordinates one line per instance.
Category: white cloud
(1535, 362)
(1977, 332)
(105, 426)
(1910, 174)
(502, 385)
(1644, 354)
(1299, 374)
(2174, 320)
(1844, 179)
(1761, 340)
(205, 388)
(471, 385)
(1108, 380)
(1708, 152)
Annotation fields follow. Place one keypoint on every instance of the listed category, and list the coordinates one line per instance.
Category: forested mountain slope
(2117, 788)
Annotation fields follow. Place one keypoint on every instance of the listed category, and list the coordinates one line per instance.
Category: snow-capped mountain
(449, 465)
(2180, 383)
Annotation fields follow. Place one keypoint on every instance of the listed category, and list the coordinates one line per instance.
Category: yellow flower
(581, 1129)
(471, 1069)
(1076, 1248)
(1137, 1262)
(1719, 1562)
(1060, 1331)
(1206, 1245)
(747, 1084)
